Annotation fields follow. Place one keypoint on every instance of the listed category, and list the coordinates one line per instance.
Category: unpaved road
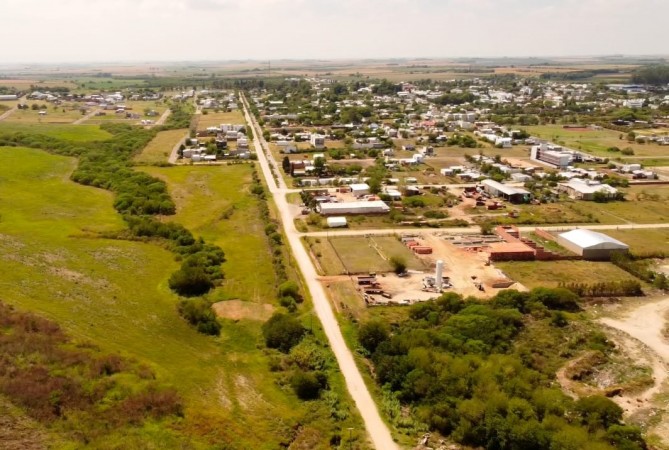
(645, 323)
(377, 430)
(84, 118)
(8, 113)
(174, 155)
(163, 118)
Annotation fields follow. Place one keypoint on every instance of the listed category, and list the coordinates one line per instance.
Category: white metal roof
(592, 239)
(508, 190)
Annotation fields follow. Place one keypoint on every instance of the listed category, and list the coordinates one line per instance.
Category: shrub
(190, 281)
(199, 314)
(282, 332)
(597, 410)
(308, 385)
(398, 264)
(289, 288)
(373, 333)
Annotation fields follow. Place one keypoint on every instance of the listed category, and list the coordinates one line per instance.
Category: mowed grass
(550, 273)
(74, 133)
(214, 202)
(595, 141)
(160, 147)
(115, 294)
(215, 119)
(643, 241)
(362, 255)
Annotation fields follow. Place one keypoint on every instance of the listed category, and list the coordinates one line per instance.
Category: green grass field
(160, 147)
(361, 254)
(643, 241)
(74, 133)
(595, 141)
(550, 273)
(215, 119)
(114, 294)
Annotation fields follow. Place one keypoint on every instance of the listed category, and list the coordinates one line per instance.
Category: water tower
(439, 275)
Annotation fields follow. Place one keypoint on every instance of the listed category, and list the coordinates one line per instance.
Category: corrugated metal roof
(591, 239)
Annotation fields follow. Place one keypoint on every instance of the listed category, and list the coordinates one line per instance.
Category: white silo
(439, 275)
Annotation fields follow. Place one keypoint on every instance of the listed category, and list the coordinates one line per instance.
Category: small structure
(359, 189)
(591, 245)
(580, 189)
(336, 222)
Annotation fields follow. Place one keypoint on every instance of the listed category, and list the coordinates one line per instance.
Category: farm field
(74, 133)
(114, 294)
(160, 147)
(595, 141)
(550, 273)
(361, 254)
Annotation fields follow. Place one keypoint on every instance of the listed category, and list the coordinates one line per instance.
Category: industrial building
(336, 222)
(551, 154)
(581, 189)
(509, 193)
(591, 245)
(373, 207)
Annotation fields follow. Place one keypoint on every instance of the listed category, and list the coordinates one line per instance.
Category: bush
(282, 332)
(308, 385)
(398, 264)
(558, 298)
(373, 333)
(289, 288)
(199, 314)
(597, 410)
(190, 281)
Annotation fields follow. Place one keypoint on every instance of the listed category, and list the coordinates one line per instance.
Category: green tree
(598, 411)
(398, 264)
(373, 333)
(282, 332)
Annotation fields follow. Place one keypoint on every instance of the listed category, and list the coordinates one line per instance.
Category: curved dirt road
(376, 428)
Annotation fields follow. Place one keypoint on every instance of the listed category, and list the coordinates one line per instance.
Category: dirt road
(84, 118)
(175, 150)
(377, 430)
(163, 118)
(7, 113)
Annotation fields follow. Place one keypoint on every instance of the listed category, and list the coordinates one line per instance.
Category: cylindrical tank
(439, 274)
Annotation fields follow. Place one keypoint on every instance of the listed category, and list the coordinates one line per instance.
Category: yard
(160, 147)
(340, 255)
(215, 119)
(550, 273)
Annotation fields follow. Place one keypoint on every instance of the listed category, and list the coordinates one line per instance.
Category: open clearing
(114, 293)
(237, 310)
(550, 273)
(643, 241)
(160, 147)
(595, 141)
(74, 133)
(215, 119)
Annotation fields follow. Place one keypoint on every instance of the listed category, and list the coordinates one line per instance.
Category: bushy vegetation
(655, 74)
(639, 266)
(483, 373)
(626, 288)
(282, 332)
(139, 197)
(73, 388)
(198, 313)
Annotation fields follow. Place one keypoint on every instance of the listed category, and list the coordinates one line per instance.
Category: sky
(61, 31)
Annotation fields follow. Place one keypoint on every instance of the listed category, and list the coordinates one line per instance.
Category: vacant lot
(54, 114)
(74, 133)
(643, 241)
(133, 107)
(114, 293)
(551, 273)
(595, 141)
(160, 147)
(361, 254)
(215, 119)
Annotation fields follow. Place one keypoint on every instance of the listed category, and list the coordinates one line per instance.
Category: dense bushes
(475, 372)
(308, 385)
(198, 313)
(282, 332)
(625, 288)
(74, 386)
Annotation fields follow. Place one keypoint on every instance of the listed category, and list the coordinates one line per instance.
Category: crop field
(160, 147)
(550, 273)
(361, 254)
(74, 133)
(114, 293)
(215, 119)
(596, 141)
(25, 84)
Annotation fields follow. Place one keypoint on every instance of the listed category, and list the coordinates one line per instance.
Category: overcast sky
(177, 30)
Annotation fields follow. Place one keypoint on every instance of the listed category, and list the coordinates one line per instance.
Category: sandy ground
(86, 117)
(645, 325)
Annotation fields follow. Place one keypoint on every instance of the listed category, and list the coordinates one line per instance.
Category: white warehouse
(339, 209)
(590, 244)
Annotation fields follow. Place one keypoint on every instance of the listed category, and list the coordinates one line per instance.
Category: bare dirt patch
(239, 309)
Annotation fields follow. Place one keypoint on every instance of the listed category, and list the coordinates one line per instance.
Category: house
(591, 245)
(317, 141)
(580, 189)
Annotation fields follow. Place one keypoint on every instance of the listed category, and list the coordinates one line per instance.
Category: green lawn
(550, 273)
(114, 294)
(75, 133)
(160, 147)
(643, 241)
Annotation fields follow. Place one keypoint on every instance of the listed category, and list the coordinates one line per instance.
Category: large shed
(338, 209)
(510, 193)
(591, 244)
